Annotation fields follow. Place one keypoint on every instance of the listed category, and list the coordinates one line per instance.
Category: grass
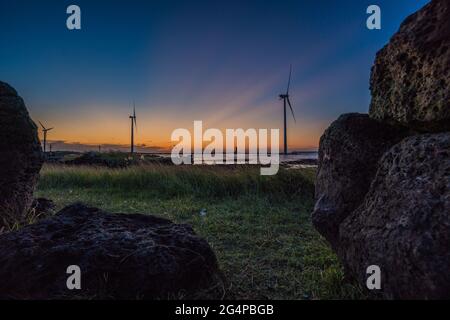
(259, 226)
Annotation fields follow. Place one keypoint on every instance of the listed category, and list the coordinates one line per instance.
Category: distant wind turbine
(133, 125)
(45, 130)
(285, 98)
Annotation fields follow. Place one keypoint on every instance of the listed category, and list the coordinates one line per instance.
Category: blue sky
(223, 62)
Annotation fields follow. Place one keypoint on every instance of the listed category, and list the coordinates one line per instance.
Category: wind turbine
(45, 130)
(133, 124)
(285, 98)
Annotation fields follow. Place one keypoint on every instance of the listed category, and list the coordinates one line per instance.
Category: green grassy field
(259, 226)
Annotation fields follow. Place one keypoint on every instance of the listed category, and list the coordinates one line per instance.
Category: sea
(292, 157)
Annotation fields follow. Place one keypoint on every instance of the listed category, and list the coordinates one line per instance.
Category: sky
(222, 62)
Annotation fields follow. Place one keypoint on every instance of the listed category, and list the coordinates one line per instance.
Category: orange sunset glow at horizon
(92, 128)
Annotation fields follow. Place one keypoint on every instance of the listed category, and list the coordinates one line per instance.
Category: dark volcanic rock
(403, 226)
(411, 77)
(124, 256)
(386, 202)
(20, 156)
(6, 90)
(348, 155)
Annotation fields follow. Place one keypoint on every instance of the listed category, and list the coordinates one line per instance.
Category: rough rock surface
(124, 256)
(20, 156)
(348, 155)
(410, 80)
(403, 226)
(386, 202)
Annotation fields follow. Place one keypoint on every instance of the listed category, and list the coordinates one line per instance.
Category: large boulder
(403, 225)
(349, 151)
(125, 256)
(20, 157)
(411, 77)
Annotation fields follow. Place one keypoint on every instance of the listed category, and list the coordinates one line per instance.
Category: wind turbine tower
(285, 98)
(133, 127)
(45, 130)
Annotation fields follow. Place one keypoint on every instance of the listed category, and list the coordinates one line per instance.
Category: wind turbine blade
(292, 110)
(289, 81)
(50, 129)
(41, 125)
